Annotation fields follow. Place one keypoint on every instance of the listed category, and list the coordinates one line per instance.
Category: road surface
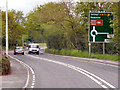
(55, 71)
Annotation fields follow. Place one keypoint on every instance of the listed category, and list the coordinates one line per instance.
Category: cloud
(24, 5)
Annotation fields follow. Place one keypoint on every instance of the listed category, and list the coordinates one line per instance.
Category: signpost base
(89, 49)
(103, 48)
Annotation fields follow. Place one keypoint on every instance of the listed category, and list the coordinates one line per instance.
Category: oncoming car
(33, 48)
(19, 50)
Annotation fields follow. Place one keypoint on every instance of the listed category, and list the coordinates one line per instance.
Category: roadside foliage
(15, 27)
(0, 39)
(62, 25)
(4, 65)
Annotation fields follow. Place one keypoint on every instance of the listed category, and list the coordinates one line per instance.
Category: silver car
(19, 50)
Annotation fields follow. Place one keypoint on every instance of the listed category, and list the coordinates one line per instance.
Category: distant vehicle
(42, 49)
(19, 50)
(33, 48)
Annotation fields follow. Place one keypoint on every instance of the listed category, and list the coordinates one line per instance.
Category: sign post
(103, 48)
(99, 27)
(89, 49)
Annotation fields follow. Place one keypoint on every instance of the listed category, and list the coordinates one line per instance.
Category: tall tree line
(65, 24)
(62, 25)
(15, 27)
(0, 23)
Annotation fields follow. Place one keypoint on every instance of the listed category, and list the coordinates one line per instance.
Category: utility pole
(27, 36)
(22, 40)
(7, 27)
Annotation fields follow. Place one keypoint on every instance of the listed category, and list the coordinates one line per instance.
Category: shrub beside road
(85, 54)
(4, 65)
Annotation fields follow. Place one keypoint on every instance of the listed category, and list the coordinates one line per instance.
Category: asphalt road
(55, 71)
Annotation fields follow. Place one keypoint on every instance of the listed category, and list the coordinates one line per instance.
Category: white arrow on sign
(96, 33)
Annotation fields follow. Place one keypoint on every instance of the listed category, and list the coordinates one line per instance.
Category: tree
(15, 26)
(83, 9)
(65, 25)
(57, 15)
(0, 32)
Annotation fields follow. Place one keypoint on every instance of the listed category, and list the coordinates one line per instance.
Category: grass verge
(42, 44)
(85, 54)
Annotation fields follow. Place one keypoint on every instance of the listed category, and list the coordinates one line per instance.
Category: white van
(33, 48)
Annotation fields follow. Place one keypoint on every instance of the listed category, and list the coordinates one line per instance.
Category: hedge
(4, 65)
(85, 54)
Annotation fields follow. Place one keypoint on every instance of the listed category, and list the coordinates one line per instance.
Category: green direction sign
(99, 27)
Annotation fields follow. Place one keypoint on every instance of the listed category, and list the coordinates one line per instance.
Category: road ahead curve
(53, 71)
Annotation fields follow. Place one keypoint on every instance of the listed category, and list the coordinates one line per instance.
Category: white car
(33, 48)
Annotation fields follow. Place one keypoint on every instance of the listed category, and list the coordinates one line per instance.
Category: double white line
(95, 78)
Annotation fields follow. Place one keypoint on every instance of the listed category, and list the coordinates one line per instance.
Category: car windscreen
(33, 46)
(19, 48)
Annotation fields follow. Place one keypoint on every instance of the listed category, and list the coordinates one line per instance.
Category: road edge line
(27, 68)
(106, 62)
(83, 71)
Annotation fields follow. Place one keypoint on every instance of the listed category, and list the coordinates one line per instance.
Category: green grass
(42, 44)
(85, 54)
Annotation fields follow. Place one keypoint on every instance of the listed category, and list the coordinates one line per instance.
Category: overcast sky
(24, 5)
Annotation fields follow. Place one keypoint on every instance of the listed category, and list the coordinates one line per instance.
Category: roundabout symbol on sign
(96, 33)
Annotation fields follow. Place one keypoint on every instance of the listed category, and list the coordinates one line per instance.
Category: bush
(85, 54)
(74, 53)
(62, 52)
(56, 51)
(4, 65)
(106, 57)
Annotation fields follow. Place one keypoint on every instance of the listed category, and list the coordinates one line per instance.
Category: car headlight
(30, 49)
(37, 49)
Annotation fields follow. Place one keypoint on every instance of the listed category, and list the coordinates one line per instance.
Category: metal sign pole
(103, 48)
(22, 40)
(89, 50)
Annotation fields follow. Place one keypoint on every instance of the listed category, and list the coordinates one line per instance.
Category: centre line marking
(95, 78)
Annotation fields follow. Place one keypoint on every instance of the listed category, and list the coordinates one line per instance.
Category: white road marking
(32, 86)
(95, 78)
(104, 86)
(33, 76)
(33, 81)
(27, 67)
(86, 59)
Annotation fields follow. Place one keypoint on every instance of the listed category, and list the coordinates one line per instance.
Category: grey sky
(24, 5)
